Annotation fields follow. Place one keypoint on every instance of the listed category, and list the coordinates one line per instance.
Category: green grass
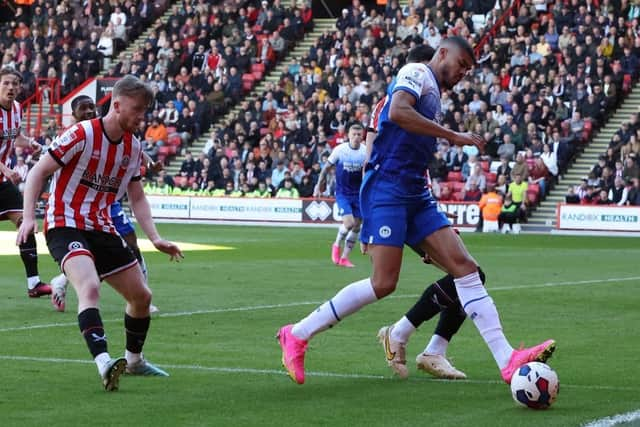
(225, 365)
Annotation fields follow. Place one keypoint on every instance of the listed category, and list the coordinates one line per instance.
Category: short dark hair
(461, 44)
(10, 71)
(78, 99)
(421, 53)
(356, 126)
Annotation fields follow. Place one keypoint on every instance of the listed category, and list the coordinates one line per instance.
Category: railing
(47, 92)
(515, 5)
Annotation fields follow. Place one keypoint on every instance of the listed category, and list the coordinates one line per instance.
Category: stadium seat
(258, 66)
(175, 140)
(180, 181)
(491, 177)
(532, 197)
(457, 186)
(454, 176)
(534, 188)
(171, 129)
(626, 83)
(485, 165)
(247, 85)
(164, 150)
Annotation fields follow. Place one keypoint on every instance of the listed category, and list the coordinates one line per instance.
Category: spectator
(156, 133)
(520, 168)
(518, 192)
(634, 193)
(278, 174)
(490, 204)
(288, 190)
(618, 193)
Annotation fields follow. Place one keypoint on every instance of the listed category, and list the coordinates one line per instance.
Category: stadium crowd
(548, 74)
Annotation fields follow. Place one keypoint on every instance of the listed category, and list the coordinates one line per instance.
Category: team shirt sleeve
(335, 155)
(412, 78)
(68, 145)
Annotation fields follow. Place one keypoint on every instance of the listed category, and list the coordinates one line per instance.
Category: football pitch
(221, 307)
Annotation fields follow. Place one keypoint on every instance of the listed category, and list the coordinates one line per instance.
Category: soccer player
(397, 210)
(348, 158)
(93, 163)
(10, 197)
(83, 108)
(440, 297)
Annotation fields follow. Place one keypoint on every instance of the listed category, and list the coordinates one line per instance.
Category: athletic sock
(451, 319)
(136, 331)
(437, 345)
(342, 233)
(348, 300)
(93, 332)
(29, 255)
(433, 300)
(480, 308)
(352, 238)
(402, 330)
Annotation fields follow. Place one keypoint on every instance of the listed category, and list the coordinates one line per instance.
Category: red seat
(532, 198)
(192, 180)
(491, 177)
(534, 188)
(485, 165)
(454, 176)
(171, 129)
(172, 149)
(164, 150)
(626, 83)
(248, 76)
(181, 181)
(175, 140)
(258, 66)
(247, 85)
(257, 29)
(257, 74)
(457, 186)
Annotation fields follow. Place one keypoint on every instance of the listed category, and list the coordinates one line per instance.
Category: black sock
(136, 330)
(92, 330)
(29, 256)
(451, 318)
(434, 299)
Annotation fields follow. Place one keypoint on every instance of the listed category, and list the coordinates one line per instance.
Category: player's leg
(386, 254)
(446, 248)
(121, 270)
(12, 205)
(345, 211)
(354, 232)
(71, 250)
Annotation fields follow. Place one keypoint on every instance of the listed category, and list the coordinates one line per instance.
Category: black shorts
(109, 252)
(10, 199)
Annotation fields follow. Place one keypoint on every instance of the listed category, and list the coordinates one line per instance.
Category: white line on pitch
(303, 303)
(614, 420)
(279, 372)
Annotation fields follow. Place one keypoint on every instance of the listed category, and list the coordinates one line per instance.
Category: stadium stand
(237, 93)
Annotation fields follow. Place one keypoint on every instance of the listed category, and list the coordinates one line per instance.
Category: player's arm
(142, 211)
(35, 181)
(29, 143)
(317, 190)
(368, 144)
(148, 162)
(403, 113)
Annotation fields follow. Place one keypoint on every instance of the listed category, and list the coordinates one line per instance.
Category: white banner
(230, 208)
(596, 217)
(169, 206)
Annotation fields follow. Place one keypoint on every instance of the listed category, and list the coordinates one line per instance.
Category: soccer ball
(535, 385)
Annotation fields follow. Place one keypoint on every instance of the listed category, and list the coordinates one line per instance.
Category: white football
(535, 385)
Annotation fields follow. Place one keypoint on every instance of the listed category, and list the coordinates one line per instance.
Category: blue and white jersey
(397, 152)
(349, 163)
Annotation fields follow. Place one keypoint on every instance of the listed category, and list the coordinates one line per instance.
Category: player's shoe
(144, 368)
(438, 366)
(40, 290)
(539, 353)
(344, 262)
(153, 309)
(394, 352)
(293, 350)
(111, 377)
(59, 292)
(335, 253)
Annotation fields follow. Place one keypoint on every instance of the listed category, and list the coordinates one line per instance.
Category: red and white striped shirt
(375, 115)
(10, 124)
(95, 173)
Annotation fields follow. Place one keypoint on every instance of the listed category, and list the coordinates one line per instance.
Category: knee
(142, 298)
(464, 265)
(88, 290)
(348, 224)
(385, 285)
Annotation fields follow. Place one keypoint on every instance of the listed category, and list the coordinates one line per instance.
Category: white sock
(480, 308)
(402, 330)
(102, 360)
(437, 345)
(132, 357)
(33, 281)
(348, 300)
(342, 233)
(352, 238)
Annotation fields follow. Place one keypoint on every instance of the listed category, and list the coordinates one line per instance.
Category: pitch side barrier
(293, 212)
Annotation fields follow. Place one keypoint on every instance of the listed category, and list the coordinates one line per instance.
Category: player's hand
(451, 215)
(468, 138)
(27, 227)
(175, 254)
(36, 148)
(156, 166)
(364, 248)
(14, 176)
